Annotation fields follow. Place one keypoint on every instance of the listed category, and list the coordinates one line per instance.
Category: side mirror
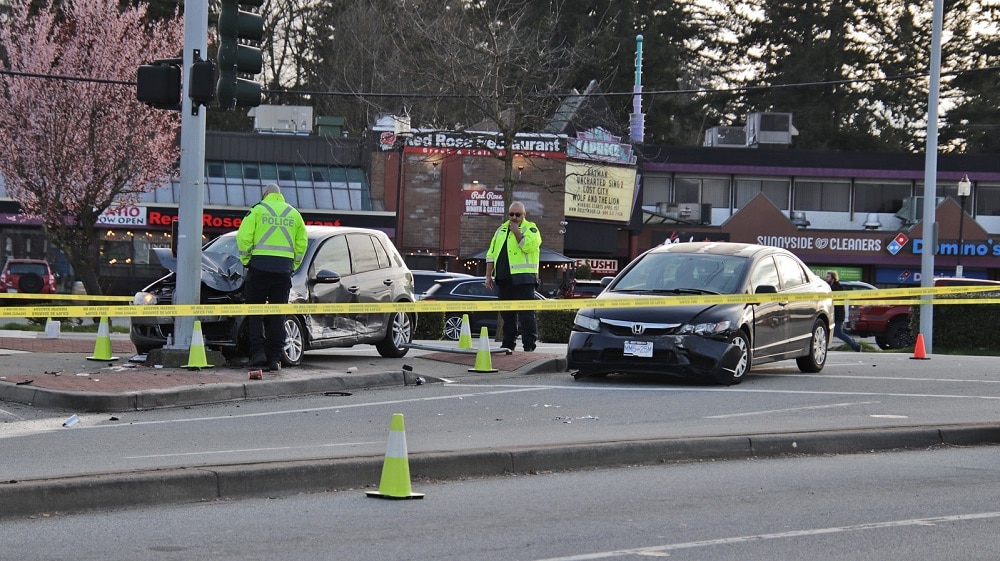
(326, 277)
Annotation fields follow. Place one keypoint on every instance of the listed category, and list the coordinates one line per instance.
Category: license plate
(12, 291)
(642, 349)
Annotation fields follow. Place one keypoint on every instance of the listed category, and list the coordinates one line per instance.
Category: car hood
(220, 271)
(656, 314)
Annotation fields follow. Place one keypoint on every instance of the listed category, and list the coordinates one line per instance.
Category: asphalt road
(854, 391)
(939, 504)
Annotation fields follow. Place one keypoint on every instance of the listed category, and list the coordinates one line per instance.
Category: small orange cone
(918, 350)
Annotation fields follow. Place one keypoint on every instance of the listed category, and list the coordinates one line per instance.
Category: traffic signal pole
(192, 176)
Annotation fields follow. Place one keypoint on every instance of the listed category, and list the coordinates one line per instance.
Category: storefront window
(776, 191)
(880, 197)
(822, 195)
(988, 200)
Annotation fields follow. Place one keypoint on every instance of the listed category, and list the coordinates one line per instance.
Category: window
(765, 273)
(711, 190)
(822, 195)
(776, 191)
(363, 257)
(687, 191)
(880, 197)
(333, 256)
(987, 200)
(655, 189)
(792, 274)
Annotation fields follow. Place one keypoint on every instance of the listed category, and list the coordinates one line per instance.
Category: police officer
(272, 242)
(512, 263)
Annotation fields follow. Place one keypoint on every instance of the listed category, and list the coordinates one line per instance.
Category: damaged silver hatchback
(342, 265)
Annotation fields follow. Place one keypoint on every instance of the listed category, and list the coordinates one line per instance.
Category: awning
(545, 255)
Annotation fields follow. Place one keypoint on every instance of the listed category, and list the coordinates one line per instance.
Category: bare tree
(75, 138)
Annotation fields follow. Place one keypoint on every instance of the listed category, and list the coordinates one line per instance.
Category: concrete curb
(177, 486)
(198, 395)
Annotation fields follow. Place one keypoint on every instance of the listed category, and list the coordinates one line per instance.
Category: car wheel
(295, 342)
(819, 344)
(882, 343)
(898, 334)
(399, 333)
(742, 342)
(453, 327)
(30, 283)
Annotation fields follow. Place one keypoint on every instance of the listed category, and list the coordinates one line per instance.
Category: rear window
(39, 269)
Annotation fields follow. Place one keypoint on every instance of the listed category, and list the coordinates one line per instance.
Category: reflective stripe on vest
(276, 226)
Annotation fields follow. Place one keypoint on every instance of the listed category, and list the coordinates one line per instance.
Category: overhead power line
(604, 94)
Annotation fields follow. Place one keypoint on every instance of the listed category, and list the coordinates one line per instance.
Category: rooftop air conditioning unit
(770, 128)
(726, 136)
(282, 119)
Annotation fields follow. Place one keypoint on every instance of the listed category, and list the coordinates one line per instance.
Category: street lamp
(964, 190)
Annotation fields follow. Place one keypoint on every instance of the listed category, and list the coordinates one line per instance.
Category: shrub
(963, 327)
(430, 325)
(554, 325)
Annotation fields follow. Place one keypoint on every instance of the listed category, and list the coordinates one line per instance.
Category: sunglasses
(515, 214)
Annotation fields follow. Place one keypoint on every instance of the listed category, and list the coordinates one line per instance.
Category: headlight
(144, 299)
(587, 323)
(705, 328)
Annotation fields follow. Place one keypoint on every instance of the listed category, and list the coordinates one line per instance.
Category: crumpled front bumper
(690, 356)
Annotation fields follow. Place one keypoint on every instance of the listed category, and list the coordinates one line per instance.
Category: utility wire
(603, 94)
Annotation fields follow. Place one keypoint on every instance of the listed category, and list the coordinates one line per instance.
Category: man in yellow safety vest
(272, 242)
(512, 264)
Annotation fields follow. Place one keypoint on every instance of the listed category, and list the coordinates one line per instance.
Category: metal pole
(961, 240)
(930, 180)
(399, 194)
(192, 176)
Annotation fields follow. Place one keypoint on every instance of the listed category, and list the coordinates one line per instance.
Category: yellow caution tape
(894, 296)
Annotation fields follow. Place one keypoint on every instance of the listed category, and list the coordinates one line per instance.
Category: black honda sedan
(342, 265)
(717, 342)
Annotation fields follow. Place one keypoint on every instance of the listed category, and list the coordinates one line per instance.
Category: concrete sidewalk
(57, 373)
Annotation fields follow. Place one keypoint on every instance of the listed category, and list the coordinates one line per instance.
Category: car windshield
(224, 244)
(683, 272)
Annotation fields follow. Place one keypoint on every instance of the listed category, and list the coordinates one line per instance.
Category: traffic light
(159, 84)
(237, 60)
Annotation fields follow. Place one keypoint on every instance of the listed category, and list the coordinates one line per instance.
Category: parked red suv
(891, 324)
(27, 276)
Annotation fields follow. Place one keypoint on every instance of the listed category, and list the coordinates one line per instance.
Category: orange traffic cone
(395, 482)
(918, 350)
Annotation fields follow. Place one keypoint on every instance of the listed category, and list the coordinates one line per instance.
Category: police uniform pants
(522, 321)
(267, 332)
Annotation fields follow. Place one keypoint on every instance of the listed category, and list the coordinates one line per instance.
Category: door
(770, 318)
(798, 333)
(372, 283)
(331, 257)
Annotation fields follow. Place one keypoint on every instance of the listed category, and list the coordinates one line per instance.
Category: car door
(372, 283)
(800, 313)
(332, 257)
(770, 318)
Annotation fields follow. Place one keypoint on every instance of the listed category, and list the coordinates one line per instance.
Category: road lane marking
(244, 450)
(513, 389)
(659, 549)
(768, 412)
(880, 378)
